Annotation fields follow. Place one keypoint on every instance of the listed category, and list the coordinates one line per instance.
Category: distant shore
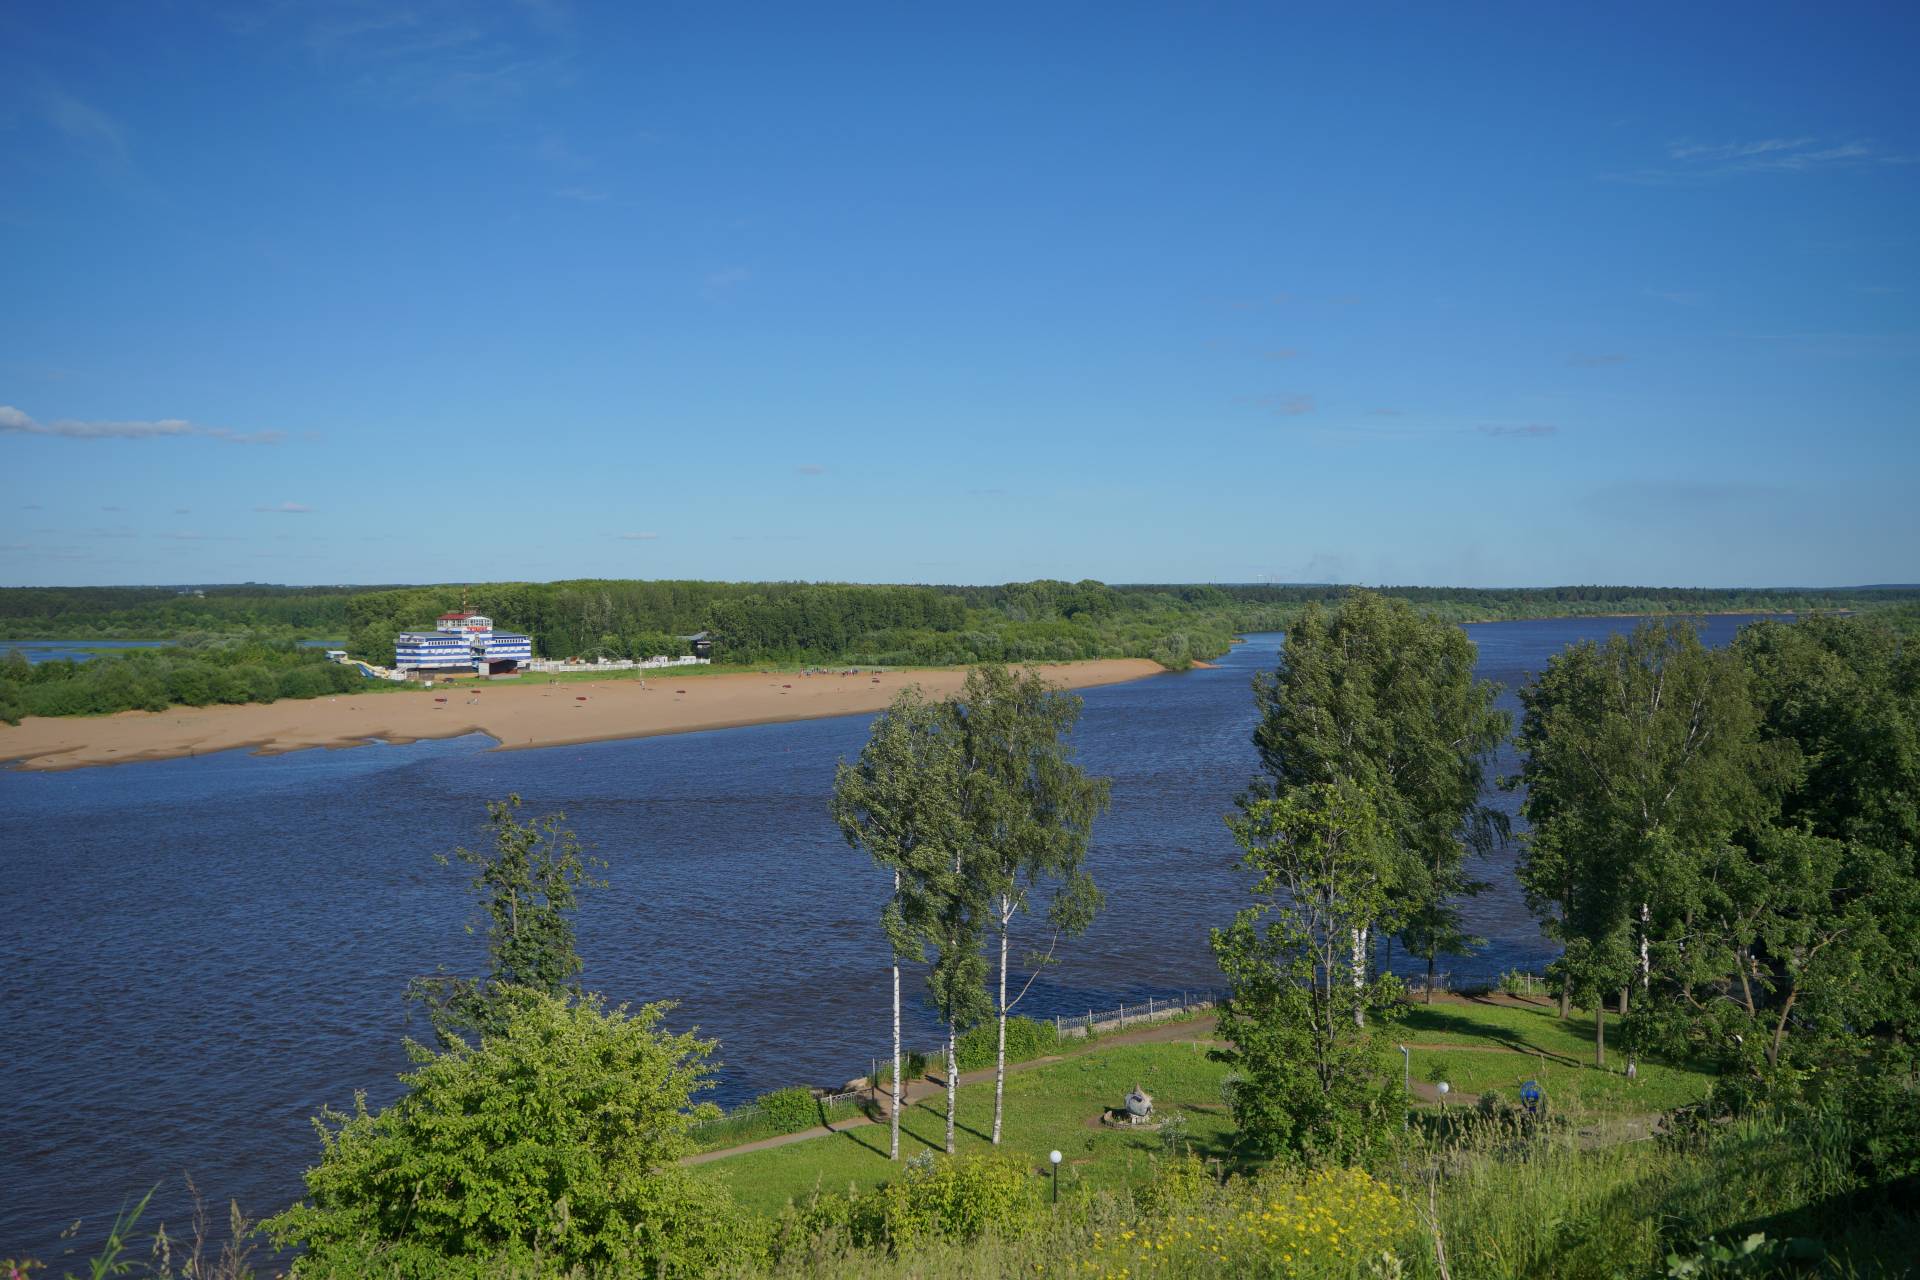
(529, 712)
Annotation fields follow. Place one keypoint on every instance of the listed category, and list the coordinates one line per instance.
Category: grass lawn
(1059, 1104)
(1047, 1107)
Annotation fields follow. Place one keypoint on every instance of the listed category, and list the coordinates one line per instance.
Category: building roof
(448, 617)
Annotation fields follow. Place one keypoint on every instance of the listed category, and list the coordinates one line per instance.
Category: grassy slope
(1050, 1105)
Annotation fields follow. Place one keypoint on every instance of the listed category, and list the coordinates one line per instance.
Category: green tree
(1030, 811)
(528, 884)
(1640, 763)
(1382, 696)
(901, 802)
(552, 1144)
(1312, 1077)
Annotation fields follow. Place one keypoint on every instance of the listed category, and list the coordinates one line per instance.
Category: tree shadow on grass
(1437, 1020)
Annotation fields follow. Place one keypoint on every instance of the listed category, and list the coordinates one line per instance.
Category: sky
(1479, 295)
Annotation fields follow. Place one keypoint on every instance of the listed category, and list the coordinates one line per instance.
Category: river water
(202, 953)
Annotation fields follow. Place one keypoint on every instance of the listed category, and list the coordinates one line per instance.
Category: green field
(1058, 1104)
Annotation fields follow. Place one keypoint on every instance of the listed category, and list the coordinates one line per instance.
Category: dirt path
(918, 1091)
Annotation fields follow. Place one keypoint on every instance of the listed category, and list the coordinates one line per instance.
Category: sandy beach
(529, 712)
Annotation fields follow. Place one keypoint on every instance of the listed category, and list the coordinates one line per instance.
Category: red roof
(446, 617)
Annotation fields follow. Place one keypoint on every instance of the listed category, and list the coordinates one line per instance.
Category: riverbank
(532, 712)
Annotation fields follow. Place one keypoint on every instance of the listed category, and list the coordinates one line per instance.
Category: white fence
(552, 666)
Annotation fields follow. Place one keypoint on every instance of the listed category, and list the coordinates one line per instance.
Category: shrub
(556, 1139)
(1177, 1180)
(789, 1110)
(1026, 1040)
(958, 1199)
(913, 1066)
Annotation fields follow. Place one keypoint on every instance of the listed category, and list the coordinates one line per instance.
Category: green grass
(1557, 1052)
(751, 1126)
(1047, 1107)
(1050, 1105)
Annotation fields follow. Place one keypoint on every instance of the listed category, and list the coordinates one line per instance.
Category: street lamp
(1406, 1087)
(1054, 1156)
(1443, 1089)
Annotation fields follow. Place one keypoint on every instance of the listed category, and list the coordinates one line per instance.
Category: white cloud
(14, 421)
(1531, 431)
(1699, 161)
(811, 469)
(286, 508)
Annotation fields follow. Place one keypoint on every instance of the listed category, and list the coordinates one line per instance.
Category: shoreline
(521, 716)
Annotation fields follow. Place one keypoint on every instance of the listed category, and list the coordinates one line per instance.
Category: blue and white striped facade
(461, 642)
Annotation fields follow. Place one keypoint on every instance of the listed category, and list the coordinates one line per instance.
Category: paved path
(918, 1091)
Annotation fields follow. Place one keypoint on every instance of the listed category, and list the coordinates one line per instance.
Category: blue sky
(1476, 295)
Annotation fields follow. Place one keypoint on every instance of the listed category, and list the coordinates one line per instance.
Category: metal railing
(1152, 1009)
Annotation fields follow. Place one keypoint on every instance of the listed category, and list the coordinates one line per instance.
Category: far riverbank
(532, 712)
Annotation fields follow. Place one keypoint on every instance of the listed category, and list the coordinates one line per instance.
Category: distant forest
(830, 622)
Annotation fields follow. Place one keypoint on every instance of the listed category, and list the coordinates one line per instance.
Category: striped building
(462, 642)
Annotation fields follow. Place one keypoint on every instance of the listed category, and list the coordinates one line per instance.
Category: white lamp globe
(1054, 1156)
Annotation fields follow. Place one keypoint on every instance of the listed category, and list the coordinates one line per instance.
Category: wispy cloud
(585, 195)
(16, 422)
(1678, 297)
(811, 469)
(1582, 360)
(1282, 353)
(1530, 431)
(1291, 406)
(466, 59)
(727, 279)
(82, 123)
(1693, 161)
(194, 535)
(286, 508)
(636, 537)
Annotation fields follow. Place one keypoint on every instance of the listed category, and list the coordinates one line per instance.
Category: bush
(1177, 1180)
(958, 1199)
(1026, 1040)
(557, 1139)
(913, 1066)
(789, 1110)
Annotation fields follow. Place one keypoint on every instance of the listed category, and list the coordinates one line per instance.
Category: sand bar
(528, 712)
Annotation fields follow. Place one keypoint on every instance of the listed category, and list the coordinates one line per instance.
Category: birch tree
(1030, 812)
(1378, 695)
(1639, 764)
(1313, 1078)
(900, 802)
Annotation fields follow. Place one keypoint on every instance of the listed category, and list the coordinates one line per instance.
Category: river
(202, 953)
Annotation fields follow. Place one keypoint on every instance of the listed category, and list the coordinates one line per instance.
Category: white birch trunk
(953, 1084)
(1646, 967)
(1000, 1054)
(1359, 975)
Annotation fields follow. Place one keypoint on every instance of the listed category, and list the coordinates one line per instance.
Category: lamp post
(1054, 1156)
(1406, 1087)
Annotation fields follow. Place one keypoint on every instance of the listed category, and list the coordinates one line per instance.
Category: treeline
(817, 620)
(165, 613)
(199, 671)
(786, 622)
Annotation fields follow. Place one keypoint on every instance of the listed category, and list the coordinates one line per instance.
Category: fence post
(1149, 1008)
